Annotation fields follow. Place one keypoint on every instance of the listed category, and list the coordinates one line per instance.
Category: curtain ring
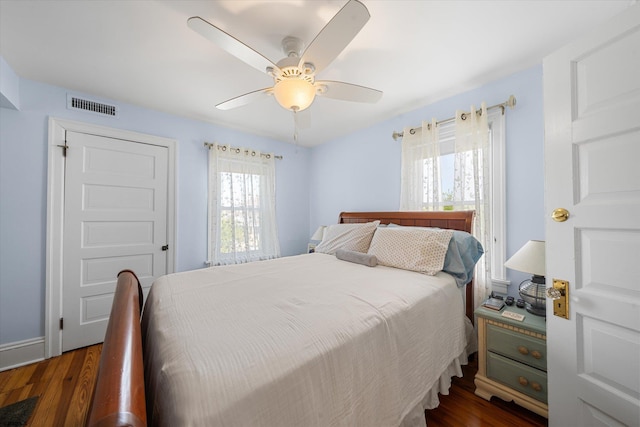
(268, 156)
(412, 131)
(253, 154)
(224, 148)
(237, 150)
(463, 116)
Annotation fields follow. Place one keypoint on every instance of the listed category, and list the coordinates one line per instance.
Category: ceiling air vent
(75, 103)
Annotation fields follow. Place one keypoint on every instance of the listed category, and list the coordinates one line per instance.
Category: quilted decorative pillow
(463, 254)
(411, 248)
(352, 237)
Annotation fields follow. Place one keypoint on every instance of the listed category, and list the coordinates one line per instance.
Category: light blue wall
(23, 193)
(9, 86)
(361, 171)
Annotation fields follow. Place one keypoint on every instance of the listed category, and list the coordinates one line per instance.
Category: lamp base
(536, 310)
(533, 293)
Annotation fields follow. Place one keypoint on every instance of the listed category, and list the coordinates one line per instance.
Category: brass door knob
(523, 350)
(523, 381)
(560, 215)
(536, 386)
(536, 354)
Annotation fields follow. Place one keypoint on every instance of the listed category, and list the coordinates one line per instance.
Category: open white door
(592, 169)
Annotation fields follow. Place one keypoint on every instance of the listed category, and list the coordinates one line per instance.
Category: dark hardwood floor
(463, 408)
(65, 384)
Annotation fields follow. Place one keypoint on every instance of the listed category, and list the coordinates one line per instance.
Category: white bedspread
(307, 340)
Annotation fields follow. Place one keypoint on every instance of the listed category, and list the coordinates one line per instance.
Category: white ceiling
(417, 52)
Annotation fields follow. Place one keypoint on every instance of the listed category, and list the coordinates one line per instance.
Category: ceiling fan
(295, 86)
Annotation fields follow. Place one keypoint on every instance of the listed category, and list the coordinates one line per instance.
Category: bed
(303, 340)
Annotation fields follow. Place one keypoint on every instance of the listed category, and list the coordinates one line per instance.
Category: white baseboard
(21, 353)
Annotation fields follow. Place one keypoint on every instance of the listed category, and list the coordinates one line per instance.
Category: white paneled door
(115, 218)
(592, 169)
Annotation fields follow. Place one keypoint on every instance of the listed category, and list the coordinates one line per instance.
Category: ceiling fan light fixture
(294, 93)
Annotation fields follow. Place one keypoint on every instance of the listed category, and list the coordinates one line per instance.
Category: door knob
(553, 293)
(560, 215)
(559, 293)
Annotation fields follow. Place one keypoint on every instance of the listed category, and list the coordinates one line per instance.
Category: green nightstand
(512, 358)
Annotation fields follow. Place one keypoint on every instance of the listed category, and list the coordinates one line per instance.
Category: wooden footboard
(119, 398)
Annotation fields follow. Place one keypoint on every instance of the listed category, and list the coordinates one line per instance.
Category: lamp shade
(319, 234)
(529, 259)
(294, 93)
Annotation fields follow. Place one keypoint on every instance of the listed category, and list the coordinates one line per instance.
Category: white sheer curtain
(242, 217)
(472, 186)
(420, 188)
(421, 181)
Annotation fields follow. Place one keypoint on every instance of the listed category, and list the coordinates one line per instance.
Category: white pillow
(352, 237)
(411, 248)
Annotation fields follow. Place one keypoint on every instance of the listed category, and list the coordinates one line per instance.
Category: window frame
(256, 212)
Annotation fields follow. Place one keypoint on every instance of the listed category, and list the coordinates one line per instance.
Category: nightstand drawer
(529, 350)
(525, 379)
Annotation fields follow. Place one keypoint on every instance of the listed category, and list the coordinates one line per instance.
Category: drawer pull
(523, 350)
(536, 354)
(536, 386)
(523, 381)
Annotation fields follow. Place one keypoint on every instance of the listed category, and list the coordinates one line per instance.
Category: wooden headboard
(454, 220)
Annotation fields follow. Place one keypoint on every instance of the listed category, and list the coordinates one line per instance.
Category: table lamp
(319, 233)
(530, 259)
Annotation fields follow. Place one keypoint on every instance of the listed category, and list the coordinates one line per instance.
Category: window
(445, 168)
(496, 184)
(242, 223)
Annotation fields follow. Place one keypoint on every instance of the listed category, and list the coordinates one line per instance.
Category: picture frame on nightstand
(311, 248)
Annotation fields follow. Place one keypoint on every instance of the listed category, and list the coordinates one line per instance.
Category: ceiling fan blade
(245, 99)
(230, 44)
(336, 35)
(347, 92)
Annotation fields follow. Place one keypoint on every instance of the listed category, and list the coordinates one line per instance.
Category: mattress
(307, 340)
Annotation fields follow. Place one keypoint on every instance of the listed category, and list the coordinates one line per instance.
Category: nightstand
(512, 358)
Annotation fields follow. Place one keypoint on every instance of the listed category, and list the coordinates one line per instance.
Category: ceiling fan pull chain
(295, 126)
